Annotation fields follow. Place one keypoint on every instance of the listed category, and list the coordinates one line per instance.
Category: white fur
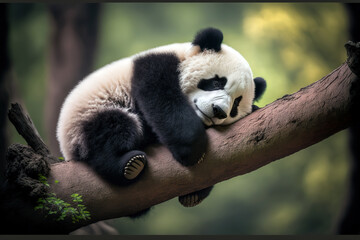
(103, 88)
(225, 63)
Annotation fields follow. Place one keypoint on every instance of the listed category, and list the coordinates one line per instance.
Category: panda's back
(103, 88)
(109, 86)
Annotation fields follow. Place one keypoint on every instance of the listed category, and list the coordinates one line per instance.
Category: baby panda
(169, 94)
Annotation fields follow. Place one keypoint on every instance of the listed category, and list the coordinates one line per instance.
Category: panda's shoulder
(176, 49)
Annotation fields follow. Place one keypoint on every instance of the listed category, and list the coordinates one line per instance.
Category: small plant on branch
(58, 207)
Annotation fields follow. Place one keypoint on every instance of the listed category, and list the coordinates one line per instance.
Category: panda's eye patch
(215, 83)
(234, 110)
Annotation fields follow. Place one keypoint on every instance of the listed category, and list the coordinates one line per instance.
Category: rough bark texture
(288, 125)
(22, 188)
(71, 56)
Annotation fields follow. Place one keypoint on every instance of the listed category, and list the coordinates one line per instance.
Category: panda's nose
(218, 112)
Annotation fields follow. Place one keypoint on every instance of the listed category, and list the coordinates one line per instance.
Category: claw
(190, 200)
(201, 159)
(134, 167)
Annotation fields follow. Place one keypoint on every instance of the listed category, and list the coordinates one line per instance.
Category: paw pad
(134, 167)
(190, 200)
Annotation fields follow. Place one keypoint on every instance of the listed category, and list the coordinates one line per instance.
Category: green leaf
(39, 207)
(54, 205)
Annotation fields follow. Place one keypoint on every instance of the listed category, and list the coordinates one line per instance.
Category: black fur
(212, 84)
(234, 109)
(157, 93)
(109, 137)
(218, 112)
(209, 38)
(260, 86)
(254, 108)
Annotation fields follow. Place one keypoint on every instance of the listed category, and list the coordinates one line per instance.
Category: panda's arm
(158, 96)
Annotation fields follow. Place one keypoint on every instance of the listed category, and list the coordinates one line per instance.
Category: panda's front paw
(187, 156)
(188, 142)
(192, 152)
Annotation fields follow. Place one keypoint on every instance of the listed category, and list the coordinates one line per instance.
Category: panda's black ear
(209, 38)
(260, 86)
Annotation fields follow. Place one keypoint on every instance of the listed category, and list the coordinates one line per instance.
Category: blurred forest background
(291, 45)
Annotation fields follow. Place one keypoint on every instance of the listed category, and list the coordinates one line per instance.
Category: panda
(169, 94)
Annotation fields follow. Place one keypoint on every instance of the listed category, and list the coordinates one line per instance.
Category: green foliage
(52, 205)
(43, 180)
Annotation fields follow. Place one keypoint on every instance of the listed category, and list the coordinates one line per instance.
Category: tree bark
(72, 48)
(283, 127)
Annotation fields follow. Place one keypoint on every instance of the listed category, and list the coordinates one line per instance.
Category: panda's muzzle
(218, 112)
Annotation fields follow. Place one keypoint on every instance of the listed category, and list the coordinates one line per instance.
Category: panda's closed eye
(212, 84)
(234, 110)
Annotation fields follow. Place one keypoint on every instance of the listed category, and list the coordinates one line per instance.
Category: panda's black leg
(111, 138)
(194, 198)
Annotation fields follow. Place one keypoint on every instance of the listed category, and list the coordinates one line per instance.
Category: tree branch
(26, 128)
(283, 127)
(286, 126)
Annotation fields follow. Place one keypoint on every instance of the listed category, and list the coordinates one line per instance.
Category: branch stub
(353, 60)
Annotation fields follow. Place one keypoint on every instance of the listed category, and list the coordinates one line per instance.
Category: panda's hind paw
(134, 166)
(194, 198)
(190, 200)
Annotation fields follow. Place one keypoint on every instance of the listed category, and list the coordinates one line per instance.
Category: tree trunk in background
(350, 221)
(74, 30)
(4, 78)
(72, 49)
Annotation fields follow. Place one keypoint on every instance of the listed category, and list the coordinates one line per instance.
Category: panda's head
(217, 80)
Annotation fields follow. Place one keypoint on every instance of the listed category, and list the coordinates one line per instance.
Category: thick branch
(287, 125)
